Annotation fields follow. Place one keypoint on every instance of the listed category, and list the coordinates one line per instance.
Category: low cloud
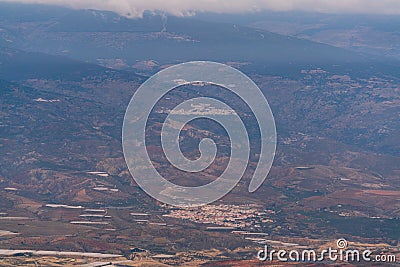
(135, 8)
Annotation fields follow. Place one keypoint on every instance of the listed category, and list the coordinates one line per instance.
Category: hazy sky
(185, 7)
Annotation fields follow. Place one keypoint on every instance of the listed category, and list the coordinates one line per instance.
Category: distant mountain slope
(376, 35)
(96, 36)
